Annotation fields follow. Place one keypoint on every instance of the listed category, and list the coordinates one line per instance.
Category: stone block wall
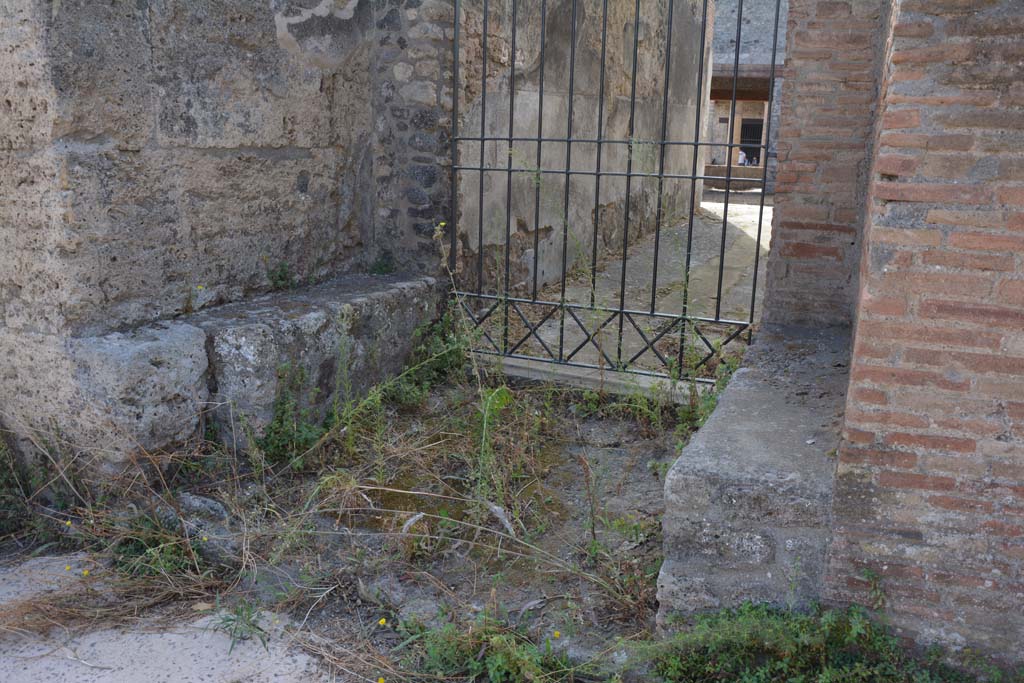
(175, 147)
(160, 160)
(930, 483)
(834, 53)
(165, 157)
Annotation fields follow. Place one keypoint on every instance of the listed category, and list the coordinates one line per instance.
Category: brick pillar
(829, 92)
(930, 482)
(771, 156)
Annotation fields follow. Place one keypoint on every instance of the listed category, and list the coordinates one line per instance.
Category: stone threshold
(593, 379)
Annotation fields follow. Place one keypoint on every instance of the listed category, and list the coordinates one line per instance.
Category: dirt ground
(568, 554)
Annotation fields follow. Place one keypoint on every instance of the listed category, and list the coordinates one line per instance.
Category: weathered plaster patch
(322, 35)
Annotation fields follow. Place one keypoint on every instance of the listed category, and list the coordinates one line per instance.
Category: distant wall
(755, 33)
(584, 206)
(718, 130)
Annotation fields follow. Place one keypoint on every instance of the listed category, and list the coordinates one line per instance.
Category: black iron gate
(580, 137)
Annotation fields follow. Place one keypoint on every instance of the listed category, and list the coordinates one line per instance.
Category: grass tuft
(485, 650)
(241, 624)
(762, 644)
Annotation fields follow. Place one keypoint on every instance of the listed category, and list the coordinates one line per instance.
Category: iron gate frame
(513, 304)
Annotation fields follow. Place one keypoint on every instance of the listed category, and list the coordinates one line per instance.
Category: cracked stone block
(685, 593)
(107, 396)
(148, 384)
(339, 338)
(736, 548)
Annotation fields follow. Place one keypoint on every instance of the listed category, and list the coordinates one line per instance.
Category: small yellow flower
(380, 679)
(557, 634)
(67, 523)
(67, 567)
(442, 224)
(85, 572)
(200, 287)
(205, 539)
(383, 621)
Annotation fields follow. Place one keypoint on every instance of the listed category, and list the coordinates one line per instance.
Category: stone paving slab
(151, 650)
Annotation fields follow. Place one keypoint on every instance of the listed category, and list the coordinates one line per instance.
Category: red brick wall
(834, 55)
(930, 481)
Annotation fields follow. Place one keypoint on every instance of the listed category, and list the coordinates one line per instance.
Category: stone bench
(748, 502)
(145, 389)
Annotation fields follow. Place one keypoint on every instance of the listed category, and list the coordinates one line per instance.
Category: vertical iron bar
(765, 156)
(693, 186)
(661, 161)
(600, 141)
(629, 171)
(508, 182)
(728, 166)
(453, 218)
(540, 143)
(568, 166)
(483, 134)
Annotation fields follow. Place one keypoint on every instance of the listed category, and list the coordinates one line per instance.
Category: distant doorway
(751, 132)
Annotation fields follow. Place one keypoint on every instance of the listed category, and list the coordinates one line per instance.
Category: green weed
(146, 547)
(484, 461)
(281, 277)
(649, 411)
(695, 411)
(293, 430)
(36, 494)
(629, 582)
(241, 624)
(14, 508)
(629, 527)
(440, 354)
